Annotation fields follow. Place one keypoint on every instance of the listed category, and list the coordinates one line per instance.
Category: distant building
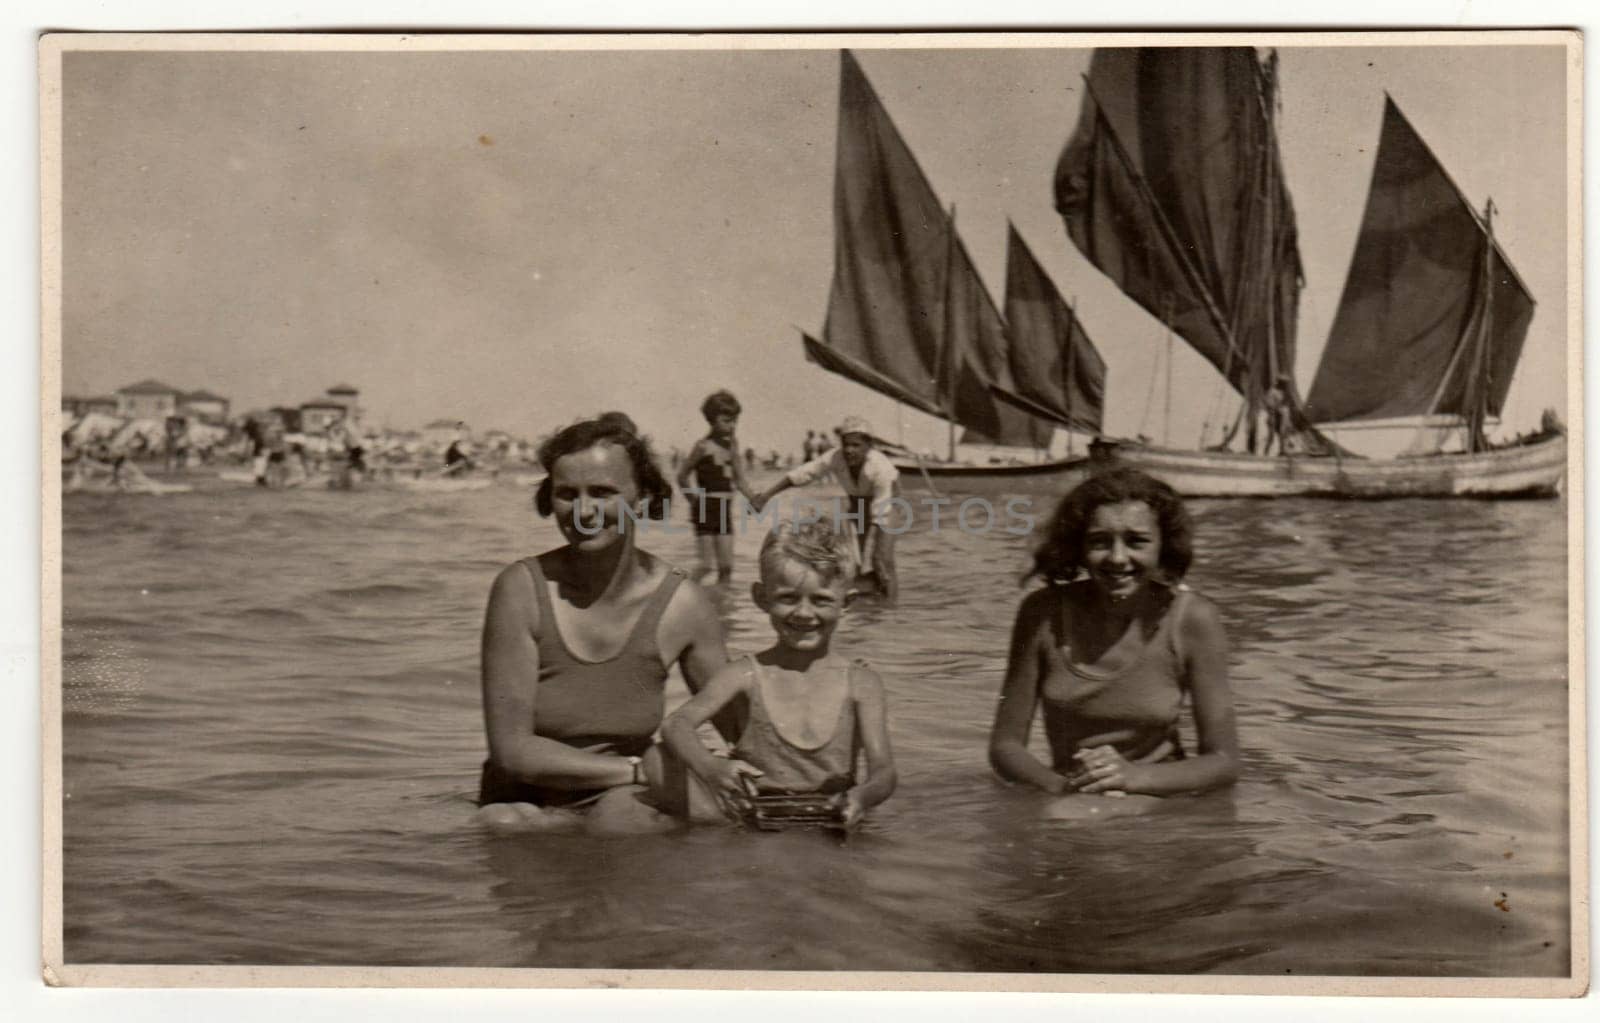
(212, 408)
(147, 399)
(319, 414)
(344, 394)
(76, 406)
(289, 417)
(338, 401)
(440, 432)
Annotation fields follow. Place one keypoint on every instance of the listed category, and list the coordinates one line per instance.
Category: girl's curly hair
(610, 428)
(720, 403)
(1060, 558)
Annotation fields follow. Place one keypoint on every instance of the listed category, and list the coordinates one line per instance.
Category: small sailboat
(1172, 186)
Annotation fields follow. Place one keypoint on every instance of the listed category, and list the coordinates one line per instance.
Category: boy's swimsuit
(713, 474)
(610, 706)
(787, 768)
(1135, 710)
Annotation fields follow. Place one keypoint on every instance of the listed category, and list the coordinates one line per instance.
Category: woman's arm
(703, 654)
(510, 674)
(1019, 696)
(872, 713)
(1205, 646)
(722, 777)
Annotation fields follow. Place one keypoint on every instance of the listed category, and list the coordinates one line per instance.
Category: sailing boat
(1057, 372)
(1172, 186)
(908, 316)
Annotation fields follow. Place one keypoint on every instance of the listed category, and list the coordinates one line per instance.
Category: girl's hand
(726, 781)
(1103, 769)
(851, 809)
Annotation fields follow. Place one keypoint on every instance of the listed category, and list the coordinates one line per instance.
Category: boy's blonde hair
(819, 546)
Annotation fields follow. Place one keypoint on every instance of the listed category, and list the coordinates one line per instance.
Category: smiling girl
(578, 641)
(812, 714)
(1110, 648)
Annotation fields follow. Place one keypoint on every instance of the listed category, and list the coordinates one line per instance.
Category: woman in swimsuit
(1110, 648)
(577, 643)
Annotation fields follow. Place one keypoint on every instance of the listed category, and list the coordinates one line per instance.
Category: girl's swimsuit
(609, 706)
(1135, 709)
(713, 474)
(788, 768)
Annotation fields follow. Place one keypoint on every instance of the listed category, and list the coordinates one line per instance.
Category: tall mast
(1166, 410)
(1067, 378)
(1269, 87)
(1480, 378)
(944, 370)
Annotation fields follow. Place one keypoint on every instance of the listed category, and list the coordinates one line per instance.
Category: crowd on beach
(1109, 649)
(99, 449)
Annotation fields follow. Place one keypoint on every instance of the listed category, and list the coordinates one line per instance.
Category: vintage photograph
(885, 508)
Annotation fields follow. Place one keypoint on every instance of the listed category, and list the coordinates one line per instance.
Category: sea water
(272, 735)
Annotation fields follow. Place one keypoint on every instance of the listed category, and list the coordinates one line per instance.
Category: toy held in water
(785, 811)
(782, 812)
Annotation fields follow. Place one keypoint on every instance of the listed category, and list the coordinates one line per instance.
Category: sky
(519, 239)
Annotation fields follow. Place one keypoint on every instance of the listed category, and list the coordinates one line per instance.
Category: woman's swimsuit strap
(644, 628)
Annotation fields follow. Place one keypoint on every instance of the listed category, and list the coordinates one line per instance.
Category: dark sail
(977, 336)
(1054, 365)
(907, 314)
(1171, 185)
(834, 361)
(886, 306)
(1408, 337)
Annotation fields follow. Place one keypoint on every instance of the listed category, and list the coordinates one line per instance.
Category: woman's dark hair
(1060, 558)
(720, 403)
(609, 428)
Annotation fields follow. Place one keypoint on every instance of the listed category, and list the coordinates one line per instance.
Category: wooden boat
(1533, 469)
(1172, 186)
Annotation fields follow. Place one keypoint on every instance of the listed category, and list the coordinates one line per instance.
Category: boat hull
(1054, 477)
(1526, 470)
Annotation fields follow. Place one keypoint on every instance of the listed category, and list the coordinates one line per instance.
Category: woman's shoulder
(519, 574)
(689, 600)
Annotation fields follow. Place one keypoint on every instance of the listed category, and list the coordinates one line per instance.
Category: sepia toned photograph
(1020, 511)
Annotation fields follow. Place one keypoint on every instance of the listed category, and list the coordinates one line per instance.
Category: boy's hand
(851, 809)
(726, 780)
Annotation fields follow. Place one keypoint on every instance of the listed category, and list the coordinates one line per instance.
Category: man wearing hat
(870, 483)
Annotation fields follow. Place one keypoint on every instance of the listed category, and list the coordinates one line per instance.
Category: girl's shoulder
(1048, 602)
(1196, 621)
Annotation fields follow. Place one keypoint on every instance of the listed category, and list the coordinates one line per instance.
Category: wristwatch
(638, 775)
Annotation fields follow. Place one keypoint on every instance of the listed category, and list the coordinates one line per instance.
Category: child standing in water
(1109, 649)
(713, 462)
(811, 712)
